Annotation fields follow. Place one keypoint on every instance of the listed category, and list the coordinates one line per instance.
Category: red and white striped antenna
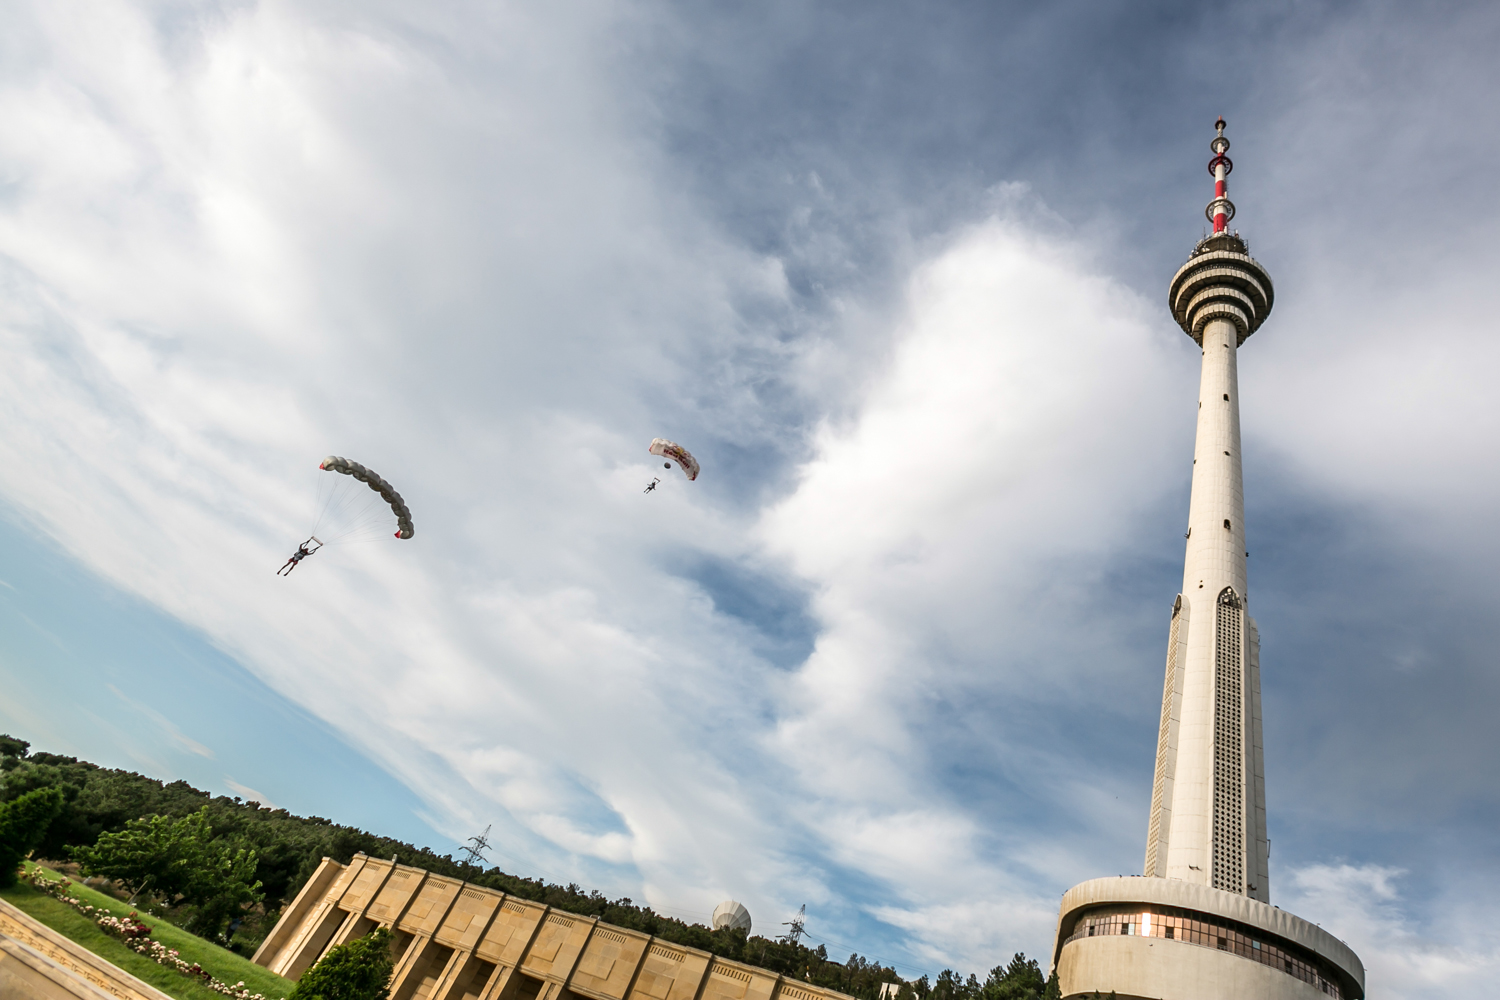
(1221, 209)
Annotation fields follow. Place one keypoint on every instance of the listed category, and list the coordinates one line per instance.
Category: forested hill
(288, 849)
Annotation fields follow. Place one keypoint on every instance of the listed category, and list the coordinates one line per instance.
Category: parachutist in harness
(651, 485)
(302, 553)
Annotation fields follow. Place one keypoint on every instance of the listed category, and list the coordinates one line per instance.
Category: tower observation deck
(1199, 924)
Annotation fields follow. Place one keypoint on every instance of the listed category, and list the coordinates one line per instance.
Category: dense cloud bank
(898, 285)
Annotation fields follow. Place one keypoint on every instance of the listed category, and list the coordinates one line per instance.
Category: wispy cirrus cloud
(167, 728)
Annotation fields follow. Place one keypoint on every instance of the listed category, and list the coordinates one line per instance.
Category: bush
(23, 822)
(359, 970)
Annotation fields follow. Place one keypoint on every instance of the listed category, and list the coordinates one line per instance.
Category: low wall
(37, 963)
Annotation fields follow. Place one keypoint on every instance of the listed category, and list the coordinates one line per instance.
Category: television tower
(1208, 803)
(1199, 925)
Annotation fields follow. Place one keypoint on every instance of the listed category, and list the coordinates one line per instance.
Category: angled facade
(1198, 924)
(462, 942)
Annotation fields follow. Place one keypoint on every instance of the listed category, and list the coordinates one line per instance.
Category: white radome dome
(733, 915)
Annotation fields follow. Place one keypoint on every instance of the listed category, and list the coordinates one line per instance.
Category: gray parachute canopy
(403, 514)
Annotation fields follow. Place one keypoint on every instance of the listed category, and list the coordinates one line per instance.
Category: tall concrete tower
(1208, 804)
(1198, 925)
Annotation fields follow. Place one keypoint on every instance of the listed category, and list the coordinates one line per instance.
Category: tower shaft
(1208, 812)
(1208, 801)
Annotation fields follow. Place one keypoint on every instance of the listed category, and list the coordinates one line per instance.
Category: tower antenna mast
(1221, 210)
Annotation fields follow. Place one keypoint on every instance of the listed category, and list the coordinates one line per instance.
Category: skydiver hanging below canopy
(302, 553)
(655, 481)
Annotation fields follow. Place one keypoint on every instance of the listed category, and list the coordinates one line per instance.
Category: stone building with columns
(463, 942)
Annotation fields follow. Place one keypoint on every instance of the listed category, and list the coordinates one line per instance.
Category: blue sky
(896, 275)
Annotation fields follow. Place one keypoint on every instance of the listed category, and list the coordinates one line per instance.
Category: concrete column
(1260, 873)
(309, 897)
(411, 959)
(451, 971)
(1164, 782)
(499, 983)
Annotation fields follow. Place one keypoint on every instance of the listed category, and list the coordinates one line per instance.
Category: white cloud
(1452, 953)
(294, 237)
(293, 252)
(458, 251)
(954, 532)
(167, 727)
(247, 793)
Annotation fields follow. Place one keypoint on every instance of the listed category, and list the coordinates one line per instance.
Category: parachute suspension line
(342, 503)
(354, 505)
(336, 498)
(362, 517)
(346, 511)
(372, 479)
(357, 514)
(325, 497)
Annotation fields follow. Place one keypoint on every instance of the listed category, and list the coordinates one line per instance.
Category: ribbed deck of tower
(1199, 926)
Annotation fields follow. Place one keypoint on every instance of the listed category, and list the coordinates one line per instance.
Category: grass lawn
(222, 964)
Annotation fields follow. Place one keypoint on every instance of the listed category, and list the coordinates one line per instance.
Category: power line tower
(794, 926)
(475, 847)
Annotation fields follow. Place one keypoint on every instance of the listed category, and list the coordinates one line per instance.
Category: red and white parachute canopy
(671, 449)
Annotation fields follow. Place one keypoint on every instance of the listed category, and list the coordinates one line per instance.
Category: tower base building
(1199, 925)
(1138, 937)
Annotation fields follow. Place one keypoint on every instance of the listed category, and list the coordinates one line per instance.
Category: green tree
(359, 970)
(181, 861)
(149, 854)
(1053, 990)
(951, 986)
(1020, 980)
(23, 822)
(221, 882)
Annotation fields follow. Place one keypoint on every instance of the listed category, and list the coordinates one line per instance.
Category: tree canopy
(359, 970)
(1021, 979)
(23, 823)
(181, 860)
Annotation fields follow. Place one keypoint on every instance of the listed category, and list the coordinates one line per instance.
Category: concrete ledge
(1142, 968)
(37, 963)
(1272, 921)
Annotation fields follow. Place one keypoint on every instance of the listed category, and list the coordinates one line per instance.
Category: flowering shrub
(136, 936)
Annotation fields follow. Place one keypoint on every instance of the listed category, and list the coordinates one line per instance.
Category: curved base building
(1199, 925)
(1164, 939)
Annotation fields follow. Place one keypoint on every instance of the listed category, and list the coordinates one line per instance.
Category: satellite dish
(732, 915)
